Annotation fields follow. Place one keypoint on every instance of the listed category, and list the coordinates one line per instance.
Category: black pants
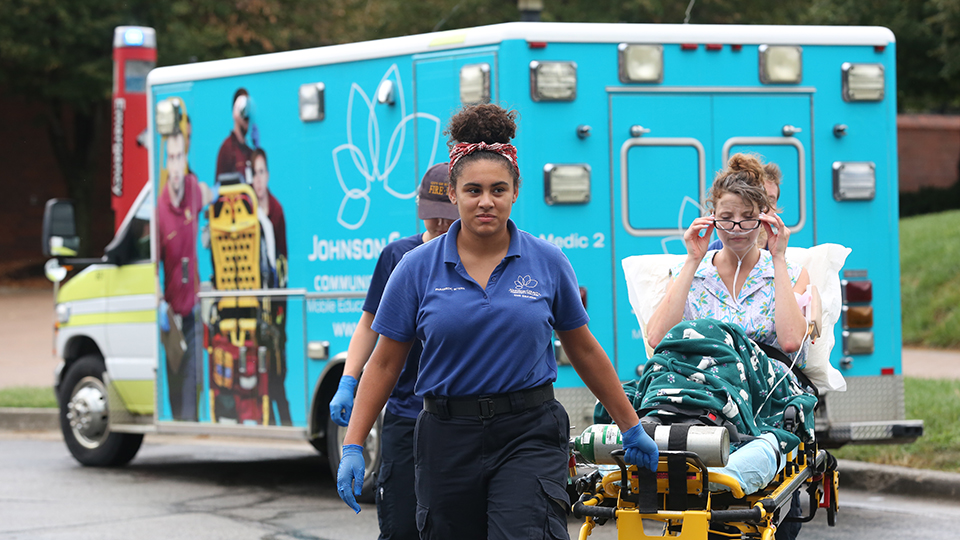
(395, 495)
(789, 531)
(498, 478)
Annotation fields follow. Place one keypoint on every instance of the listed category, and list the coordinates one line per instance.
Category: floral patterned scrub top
(754, 313)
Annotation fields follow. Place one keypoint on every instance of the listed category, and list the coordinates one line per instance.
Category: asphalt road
(234, 489)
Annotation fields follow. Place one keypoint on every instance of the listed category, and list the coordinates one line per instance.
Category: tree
(58, 53)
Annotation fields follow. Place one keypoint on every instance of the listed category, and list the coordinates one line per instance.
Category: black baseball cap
(432, 199)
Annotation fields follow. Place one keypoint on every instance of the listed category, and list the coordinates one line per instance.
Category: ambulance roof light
(553, 81)
(640, 63)
(134, 36)
(862, 82)
(475, 84)
(781, 64)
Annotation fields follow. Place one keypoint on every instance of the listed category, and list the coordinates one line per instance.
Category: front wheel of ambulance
(371, 455)
(85, 417)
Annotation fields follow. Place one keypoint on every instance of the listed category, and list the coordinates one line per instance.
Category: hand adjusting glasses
(729, 224)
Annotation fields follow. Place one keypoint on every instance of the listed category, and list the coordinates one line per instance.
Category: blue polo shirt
(478, 341)
(402, 402)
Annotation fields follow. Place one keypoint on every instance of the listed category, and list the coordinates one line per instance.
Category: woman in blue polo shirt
(484, 299)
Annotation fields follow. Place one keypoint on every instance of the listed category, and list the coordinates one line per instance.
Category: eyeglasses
(729, 224)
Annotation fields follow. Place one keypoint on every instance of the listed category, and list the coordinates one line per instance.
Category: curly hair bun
(746, 163)
(486, 122)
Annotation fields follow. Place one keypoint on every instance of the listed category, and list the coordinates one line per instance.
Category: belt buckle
(486, 408)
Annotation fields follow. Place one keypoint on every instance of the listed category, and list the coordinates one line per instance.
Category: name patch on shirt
(523, 287)
(441, 289)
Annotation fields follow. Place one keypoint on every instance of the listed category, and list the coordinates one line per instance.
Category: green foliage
(937, 403)
(922, 84)
(58, 51)
(28, 396)
(930, 280)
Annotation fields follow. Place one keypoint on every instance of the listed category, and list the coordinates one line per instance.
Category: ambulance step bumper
(888, 432)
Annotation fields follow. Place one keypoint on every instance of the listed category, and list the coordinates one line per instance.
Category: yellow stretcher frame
(752, 515)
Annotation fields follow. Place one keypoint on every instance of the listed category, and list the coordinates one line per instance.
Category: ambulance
(295, 169)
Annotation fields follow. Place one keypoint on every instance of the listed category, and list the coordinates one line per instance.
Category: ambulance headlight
(566, 184)
(640, 63)
(862, 82)
(63, 314)
(166, 117)
(781, 64)
(475, 84)
(854, 180)
(311, 102)
(857, 343)
(553, 81)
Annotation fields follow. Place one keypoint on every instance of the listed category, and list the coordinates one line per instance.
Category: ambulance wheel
(85, 417)
(371, 455)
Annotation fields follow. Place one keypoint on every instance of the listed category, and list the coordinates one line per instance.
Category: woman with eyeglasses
(740, 283)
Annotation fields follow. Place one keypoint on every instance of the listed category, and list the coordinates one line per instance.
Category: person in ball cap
(396, 501)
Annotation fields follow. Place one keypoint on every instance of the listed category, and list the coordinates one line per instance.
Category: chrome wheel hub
(87, 412)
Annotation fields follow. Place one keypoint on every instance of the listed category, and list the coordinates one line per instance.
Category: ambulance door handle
(638, 131)
(790, 131)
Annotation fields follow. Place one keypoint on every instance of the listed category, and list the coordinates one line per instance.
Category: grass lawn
(937, 403)
(28, 396)
(930, 280)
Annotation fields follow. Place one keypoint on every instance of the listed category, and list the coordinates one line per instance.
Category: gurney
(684, 498)
(705, 513)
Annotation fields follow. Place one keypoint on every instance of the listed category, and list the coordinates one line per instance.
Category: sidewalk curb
(898, 480)
(29, 419)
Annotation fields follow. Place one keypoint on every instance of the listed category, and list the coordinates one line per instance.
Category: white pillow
(823, 264)
(647, 277)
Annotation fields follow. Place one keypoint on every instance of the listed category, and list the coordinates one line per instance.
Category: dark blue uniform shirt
(402, 402)
(475, 340)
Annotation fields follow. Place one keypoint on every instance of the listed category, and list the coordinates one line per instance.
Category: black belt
(488, 406)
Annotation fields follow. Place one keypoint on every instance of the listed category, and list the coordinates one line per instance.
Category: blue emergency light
(133, 37)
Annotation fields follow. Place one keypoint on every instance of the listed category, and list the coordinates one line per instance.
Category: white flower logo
(525, 281)
(369, 165)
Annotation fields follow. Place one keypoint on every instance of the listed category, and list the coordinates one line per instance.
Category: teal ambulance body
(622, 128)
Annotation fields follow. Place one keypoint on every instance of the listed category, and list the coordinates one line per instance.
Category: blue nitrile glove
(342, 403)
(350, 475)
(254, 135)
(639, 448)
(162, 317)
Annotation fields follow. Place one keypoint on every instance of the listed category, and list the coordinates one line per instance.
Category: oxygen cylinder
(711, 443)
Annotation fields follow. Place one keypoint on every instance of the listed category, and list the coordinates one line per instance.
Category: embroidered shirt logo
(522, 287)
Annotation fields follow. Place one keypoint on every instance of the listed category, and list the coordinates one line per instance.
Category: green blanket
(707, 364)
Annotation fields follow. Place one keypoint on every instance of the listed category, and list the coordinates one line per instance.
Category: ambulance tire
(371, 455)
(84, 417)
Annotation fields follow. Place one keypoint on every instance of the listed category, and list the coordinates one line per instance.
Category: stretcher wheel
(832, 507)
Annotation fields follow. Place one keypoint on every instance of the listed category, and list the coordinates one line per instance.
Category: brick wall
(929, 151)
(30, 176)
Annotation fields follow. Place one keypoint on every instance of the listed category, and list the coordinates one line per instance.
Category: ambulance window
(140, 228)
(135, 75)
(132, 244)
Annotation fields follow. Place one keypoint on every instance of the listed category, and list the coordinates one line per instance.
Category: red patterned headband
(506, 150)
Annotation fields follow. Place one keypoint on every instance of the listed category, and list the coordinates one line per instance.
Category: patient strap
(677, 468)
